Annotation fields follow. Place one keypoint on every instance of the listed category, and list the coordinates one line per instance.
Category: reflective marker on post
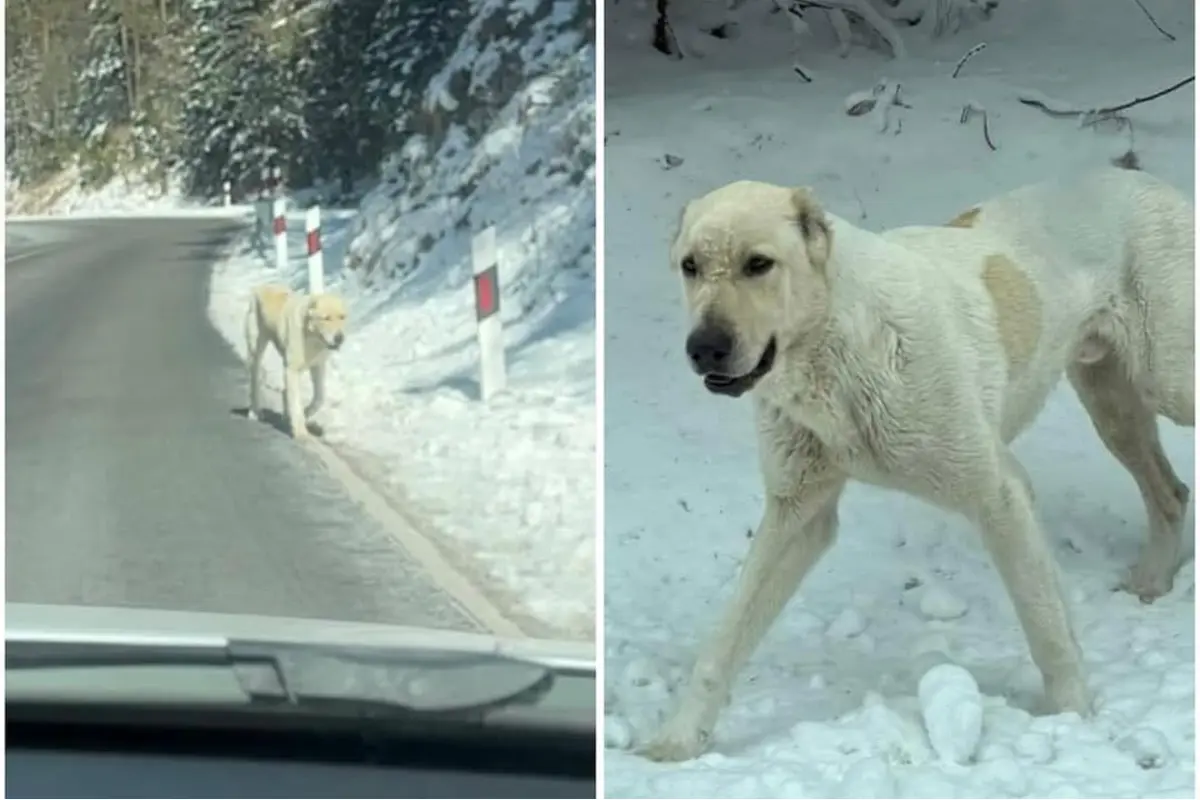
(316, 260)
(492, 374)
(280, 228)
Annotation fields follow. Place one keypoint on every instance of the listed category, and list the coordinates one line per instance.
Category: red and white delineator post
(492, 373)
(279, 227)
(316, 259)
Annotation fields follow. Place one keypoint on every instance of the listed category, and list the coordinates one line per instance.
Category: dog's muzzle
(738, 385)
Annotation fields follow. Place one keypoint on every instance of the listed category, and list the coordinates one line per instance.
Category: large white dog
(911, 359)
(305, 329)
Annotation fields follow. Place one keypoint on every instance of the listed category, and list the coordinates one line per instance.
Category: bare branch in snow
(972, 110)
(800, 70)
(1153, 21)
(665, 40)
(967, 56)
(1127, 160)
(1058, 108)
(889, 95)
(841, 29)
(862, 10)
(859, 103)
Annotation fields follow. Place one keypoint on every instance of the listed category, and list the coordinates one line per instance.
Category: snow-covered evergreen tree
(105, 94)
(344, 133)
(243, 108)
(411, 41)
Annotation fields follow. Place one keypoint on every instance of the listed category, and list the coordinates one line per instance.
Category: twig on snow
(889, 95)
(974, 109)
(665, 40)
(1057, 108)
(967, 56)
(799, 69)
(1153, 21)
(859, 103)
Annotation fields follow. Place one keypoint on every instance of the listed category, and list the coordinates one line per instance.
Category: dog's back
(1068, 269)
(266, 316)
(1119, 245)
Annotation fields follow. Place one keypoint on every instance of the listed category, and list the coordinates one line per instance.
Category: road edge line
(423, 550)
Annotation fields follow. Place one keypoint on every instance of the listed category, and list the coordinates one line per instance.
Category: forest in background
(215, 90)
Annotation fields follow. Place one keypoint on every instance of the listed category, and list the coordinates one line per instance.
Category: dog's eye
(688, 267)
(758, 265)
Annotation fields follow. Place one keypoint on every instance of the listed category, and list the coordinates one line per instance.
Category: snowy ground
(828, 706)
(61, 196)
(511, 486)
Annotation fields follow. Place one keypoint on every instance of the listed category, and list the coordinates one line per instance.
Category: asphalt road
(131, 481)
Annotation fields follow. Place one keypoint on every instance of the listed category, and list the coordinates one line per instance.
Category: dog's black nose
(338, 338)
(709, 347)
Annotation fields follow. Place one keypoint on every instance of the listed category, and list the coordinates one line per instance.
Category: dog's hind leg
(795, 531)
(318, 397)
(1128, 427)
(1003, 508)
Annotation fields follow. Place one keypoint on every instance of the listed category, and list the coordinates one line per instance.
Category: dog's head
(326, 319)
(752, 258)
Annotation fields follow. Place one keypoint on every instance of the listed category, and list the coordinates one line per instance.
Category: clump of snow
(508, 487)
(814, 714)
(953, 711)
(938, 603)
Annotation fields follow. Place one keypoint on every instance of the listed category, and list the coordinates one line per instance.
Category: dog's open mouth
(737, 385)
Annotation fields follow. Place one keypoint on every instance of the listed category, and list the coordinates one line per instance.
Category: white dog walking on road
(911, 359)
(305, 329)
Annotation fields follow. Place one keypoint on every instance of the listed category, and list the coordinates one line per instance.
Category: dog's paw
(301, 434)
(1147, 583)
(672, 746)
(1066, 696)
(251, 414)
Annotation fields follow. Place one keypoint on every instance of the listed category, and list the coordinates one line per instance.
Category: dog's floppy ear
(814, 226)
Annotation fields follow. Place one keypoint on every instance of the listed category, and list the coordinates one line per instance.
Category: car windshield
(300, 316)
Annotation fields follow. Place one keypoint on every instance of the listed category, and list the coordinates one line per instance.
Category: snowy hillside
(508, 140)
(841, 699)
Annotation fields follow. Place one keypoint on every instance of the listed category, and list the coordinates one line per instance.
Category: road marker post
(316, 259)
(279, 207)
(227, 187)
(489, 330)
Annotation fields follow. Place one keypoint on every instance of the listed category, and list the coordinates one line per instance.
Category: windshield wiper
(365, 681)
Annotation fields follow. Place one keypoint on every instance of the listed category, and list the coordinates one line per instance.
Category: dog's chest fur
(851, 406)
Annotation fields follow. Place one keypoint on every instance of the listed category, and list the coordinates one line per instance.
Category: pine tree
(411, 41)
(346, 138)
(106, 93)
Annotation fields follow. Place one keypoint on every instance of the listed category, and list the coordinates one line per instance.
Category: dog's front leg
(256, 354)
(1023, 557)
(318, 398)
(795, 530)
(291, 399)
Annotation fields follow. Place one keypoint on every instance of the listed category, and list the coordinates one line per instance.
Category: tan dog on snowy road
(911, 359)
(305, 330)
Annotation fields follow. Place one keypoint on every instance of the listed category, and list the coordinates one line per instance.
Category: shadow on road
(275, 420)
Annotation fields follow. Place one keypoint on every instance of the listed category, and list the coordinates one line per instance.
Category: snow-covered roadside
(839, 700)
(61, 196)
(511, 485)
